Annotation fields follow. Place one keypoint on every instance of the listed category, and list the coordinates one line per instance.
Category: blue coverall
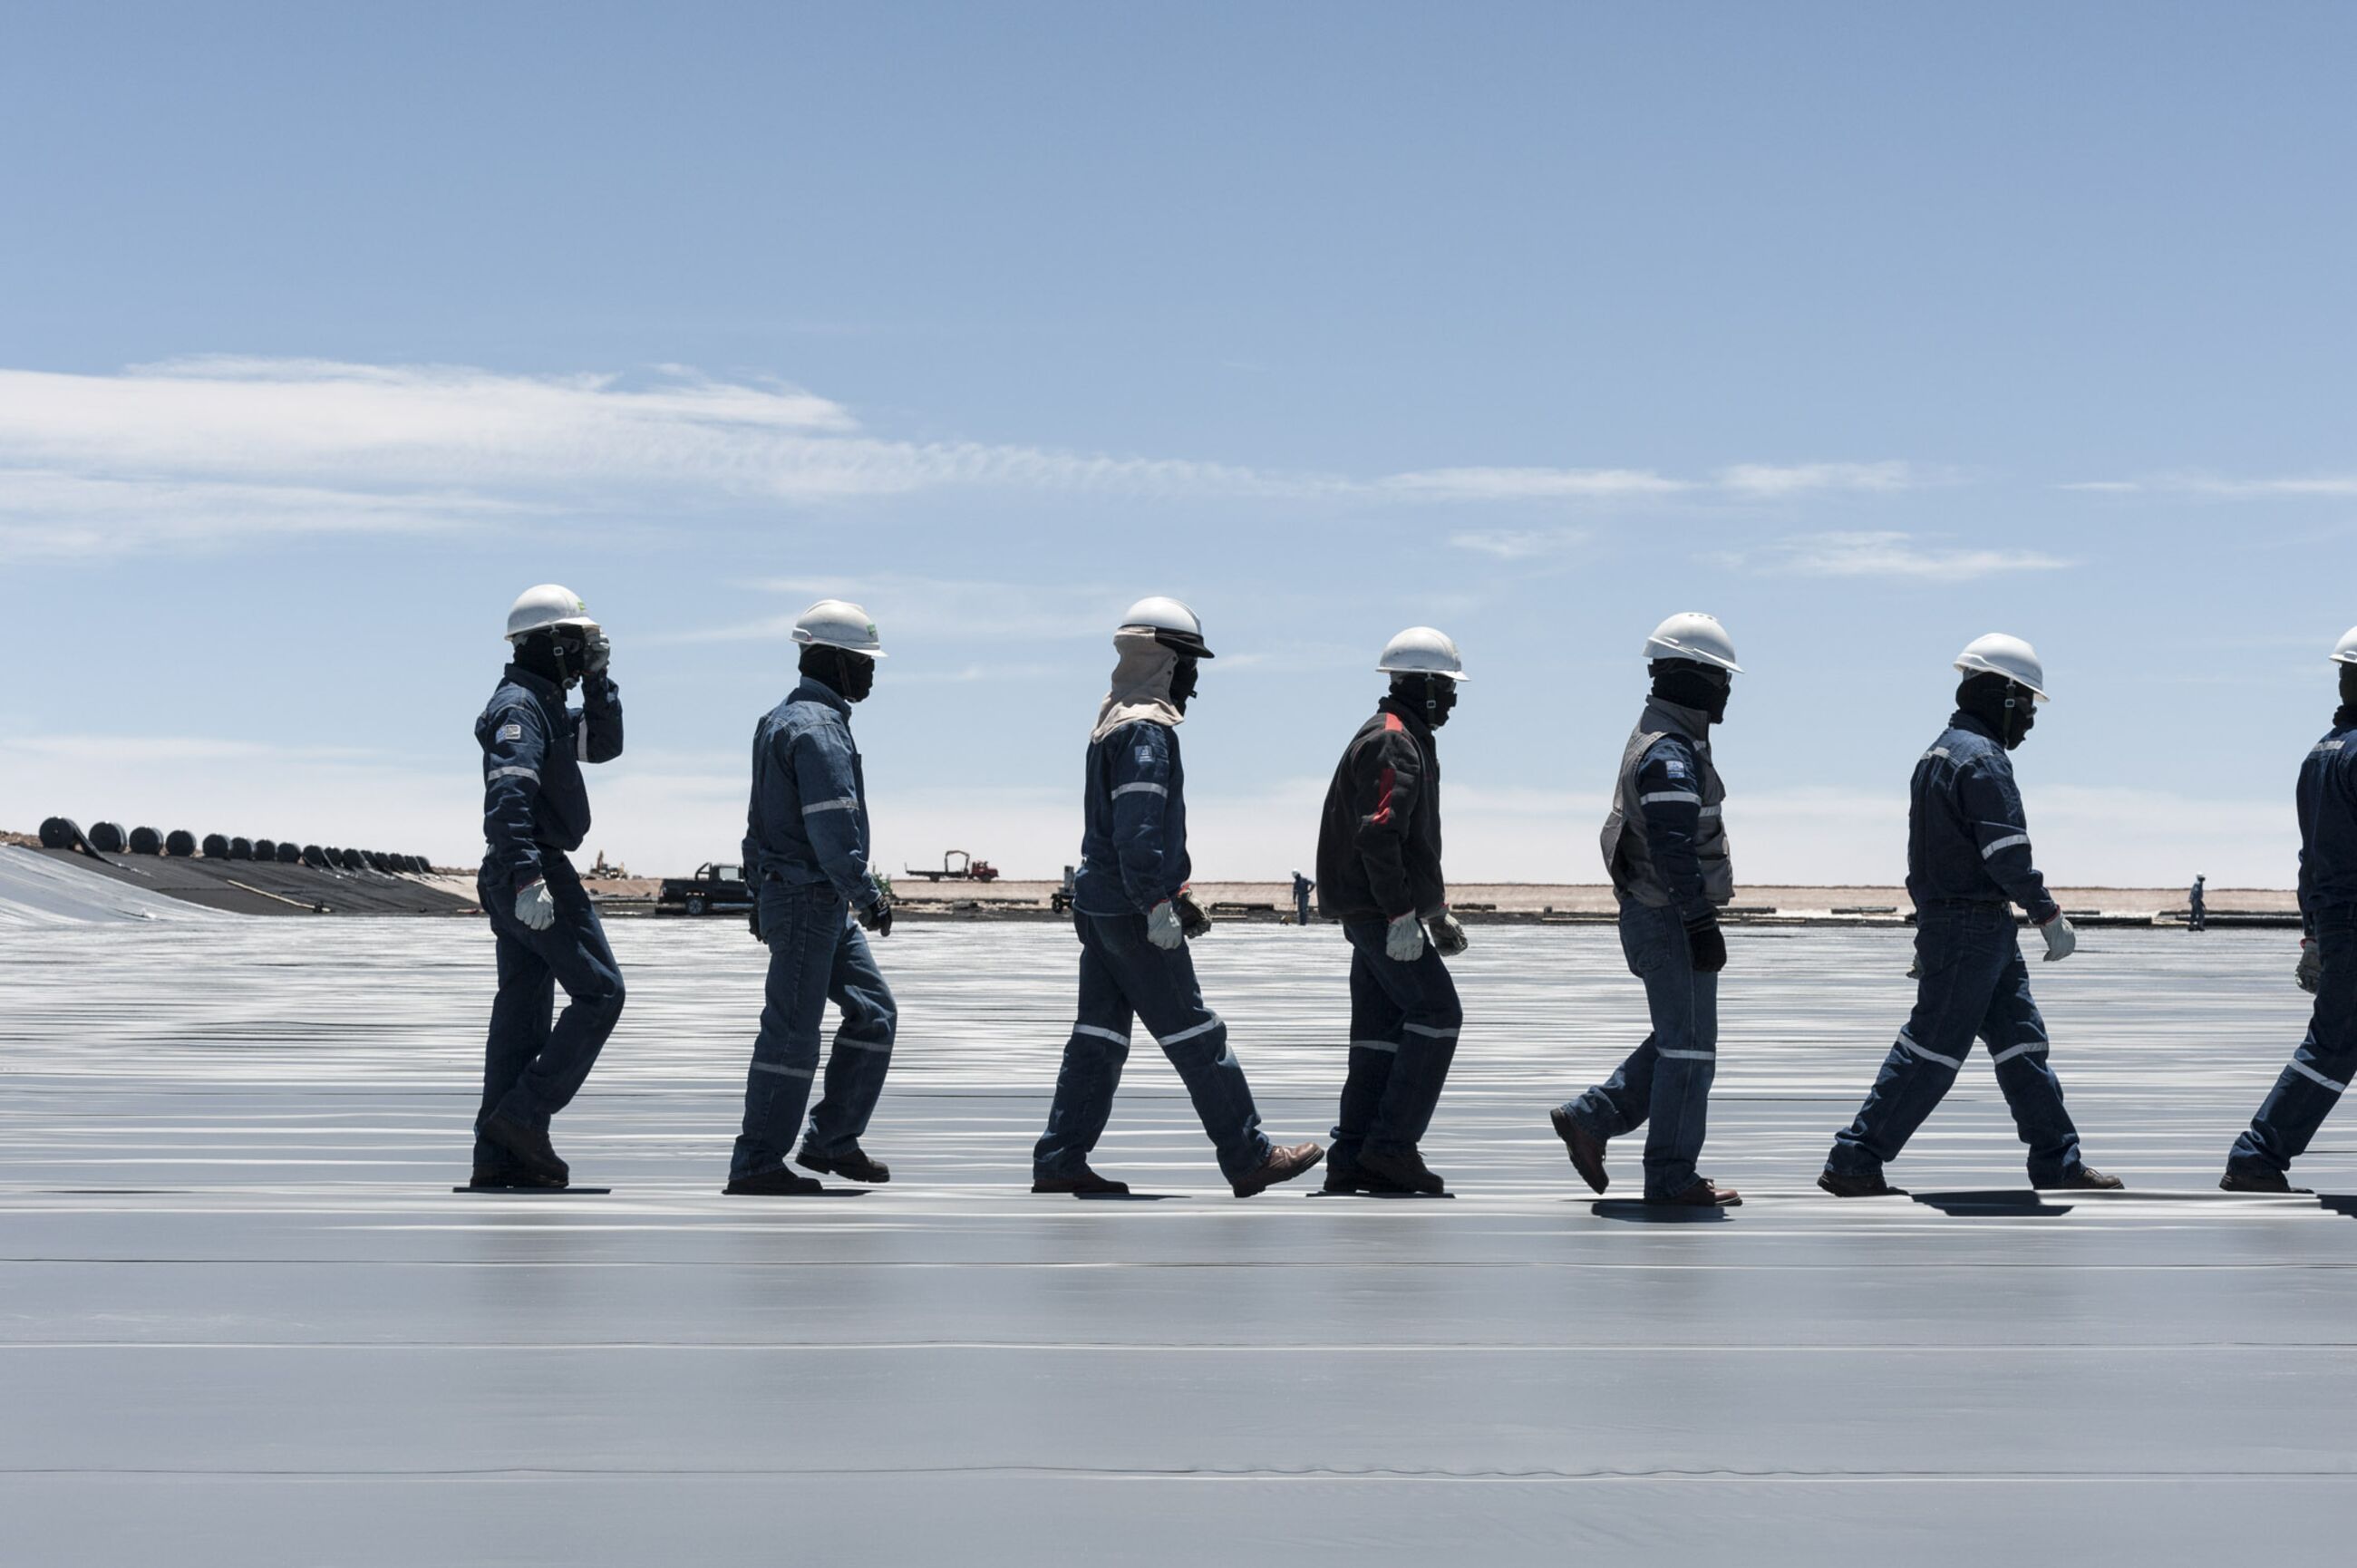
(535, 811)
(1133, 856)
(806, 851)
(2311, 1084)
(1968, 863)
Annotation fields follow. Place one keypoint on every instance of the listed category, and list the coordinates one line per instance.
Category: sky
(326, 330)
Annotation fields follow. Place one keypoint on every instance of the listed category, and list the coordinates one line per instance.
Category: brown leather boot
(1282, 1165)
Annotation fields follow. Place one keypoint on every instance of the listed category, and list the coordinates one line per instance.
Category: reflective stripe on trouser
(1664, 1086)
(1403, 1023)
(1127, 979)
(532, 1069)
(816, 956)
(1974, 983)
(2313, 1083)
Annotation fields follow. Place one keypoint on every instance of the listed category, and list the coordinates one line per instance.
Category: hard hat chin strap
(550, 657)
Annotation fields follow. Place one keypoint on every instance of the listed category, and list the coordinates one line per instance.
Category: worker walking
(2312, 1083)
(545, 932)
(1134, 914)
(1665, 846)
(1379, 863)
(815, 900)
(2197, 912)
(1302, 889)
(1968, 863)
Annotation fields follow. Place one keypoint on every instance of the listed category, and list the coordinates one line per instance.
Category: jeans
(532, 1070)
(1404, 1023)
(1974, 983)
(816, 956)
(1666, 1081)
(1121, 975)
(2317, 1074)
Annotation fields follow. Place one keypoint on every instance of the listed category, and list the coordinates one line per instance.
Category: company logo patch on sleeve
(512, 732)
(1145, 756)
(1674, 767)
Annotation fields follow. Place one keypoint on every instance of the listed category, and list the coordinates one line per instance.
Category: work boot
(1088, 1184)
(1586, 1149)
(2087, 1179)
(530, 1148)
(852, 1164)
(1407, 1172)
(1358, 1178)
(2252, 1178)
(1282, 1165)
(1868, 1185)
(779, 1183)
(1701, 1194)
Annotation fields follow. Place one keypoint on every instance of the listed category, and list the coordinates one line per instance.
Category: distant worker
(1379, 863)
(2197, 913)
(547, 932)
(1133, 913)
(1968, 863)
(814, 899)
(1665, 846)
(1302, 889)
(2318, 1075)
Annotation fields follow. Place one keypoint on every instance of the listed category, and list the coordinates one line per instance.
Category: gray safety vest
(1626, 854)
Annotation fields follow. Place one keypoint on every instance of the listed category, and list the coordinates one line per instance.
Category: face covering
(2348, 693)
(2005, 707)
(1183, 684)
(553, 656)
(851, 676)
(1693, 686)
(1432, 696)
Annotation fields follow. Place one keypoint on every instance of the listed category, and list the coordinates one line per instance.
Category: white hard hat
(1182, 629)
(549, 604)
(2345, 650)
(838, 623)
(1998, 654)
(1421, 651)
(1692, 634)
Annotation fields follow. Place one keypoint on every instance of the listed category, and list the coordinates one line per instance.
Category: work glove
(1163, 928)
(1447, 935)
(876, 917)
(599, 651)
(1192, 920)
(2062, 938)
(1705, 944)
(2310, 972)
(536, 905)
(1403, 939)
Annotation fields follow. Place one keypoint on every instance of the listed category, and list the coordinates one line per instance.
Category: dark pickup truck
(713, 890)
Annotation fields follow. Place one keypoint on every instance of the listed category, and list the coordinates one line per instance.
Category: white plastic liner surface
(36, 890)
(243, 1321)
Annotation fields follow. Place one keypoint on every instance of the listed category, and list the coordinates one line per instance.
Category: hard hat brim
(807, 641)
(1420, 669)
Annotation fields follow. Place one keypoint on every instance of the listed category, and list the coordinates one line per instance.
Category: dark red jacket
(1379, 840)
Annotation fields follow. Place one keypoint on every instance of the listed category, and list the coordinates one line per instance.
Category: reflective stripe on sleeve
(1686, 797)
(846, 804)
(531, 773)
(2005, 842)
(1139, 788)
(581, 740)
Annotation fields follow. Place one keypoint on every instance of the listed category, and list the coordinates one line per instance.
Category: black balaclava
(1431, 697)
(555, 655)
(2348, 714)
(1182, 680)
(2005, 706)
(848, 675)
(1691, 683)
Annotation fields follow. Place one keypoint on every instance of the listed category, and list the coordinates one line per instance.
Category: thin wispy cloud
(1884, 554)
(2292, 486)
(1520, 544)
(927, 608)
(207, 453)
